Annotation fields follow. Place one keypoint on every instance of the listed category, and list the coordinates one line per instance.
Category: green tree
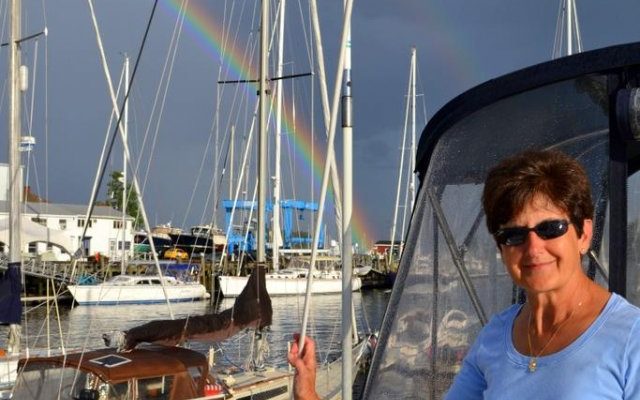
(114, 192)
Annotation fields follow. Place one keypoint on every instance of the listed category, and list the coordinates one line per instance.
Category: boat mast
(15, 178)
(568, 23)
(412, 186)
(262, 137)
(347, 205)
(410, 103)
(275, 240)
(125, 136)
(326, 112)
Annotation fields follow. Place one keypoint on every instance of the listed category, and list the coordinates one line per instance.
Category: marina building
(52, 231)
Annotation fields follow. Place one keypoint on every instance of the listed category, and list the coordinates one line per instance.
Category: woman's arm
(469, 383)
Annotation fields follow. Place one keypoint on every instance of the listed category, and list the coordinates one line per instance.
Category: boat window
(155, 388)
(196, 374)
(156, 282)
(142, 282)
(39, 382)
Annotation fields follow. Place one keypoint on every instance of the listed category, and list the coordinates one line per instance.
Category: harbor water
(79, 327)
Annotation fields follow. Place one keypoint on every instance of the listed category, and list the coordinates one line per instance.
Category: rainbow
(209, 34)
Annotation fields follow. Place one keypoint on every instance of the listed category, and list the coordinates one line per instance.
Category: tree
(114, 192)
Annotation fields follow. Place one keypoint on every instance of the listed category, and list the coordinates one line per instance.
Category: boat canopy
(151, 372)
(451, 280)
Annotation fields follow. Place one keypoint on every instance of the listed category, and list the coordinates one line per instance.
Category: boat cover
(10, 288)
(252, 309)
(451, 279)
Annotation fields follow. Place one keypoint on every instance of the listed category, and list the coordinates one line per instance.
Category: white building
(61, 227)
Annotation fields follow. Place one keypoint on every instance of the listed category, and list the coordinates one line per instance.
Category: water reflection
(83, 326)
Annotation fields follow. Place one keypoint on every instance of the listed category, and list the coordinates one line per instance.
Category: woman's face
(539, 265)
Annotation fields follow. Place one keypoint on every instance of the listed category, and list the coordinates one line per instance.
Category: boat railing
(59, 271)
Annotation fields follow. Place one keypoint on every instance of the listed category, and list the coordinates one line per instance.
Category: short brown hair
(515, 181)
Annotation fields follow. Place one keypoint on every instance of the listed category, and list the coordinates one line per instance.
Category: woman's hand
(304, 384)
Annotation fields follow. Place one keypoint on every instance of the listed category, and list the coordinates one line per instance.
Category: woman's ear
(587, 235)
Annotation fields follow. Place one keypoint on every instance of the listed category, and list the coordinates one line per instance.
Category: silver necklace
(533, 360)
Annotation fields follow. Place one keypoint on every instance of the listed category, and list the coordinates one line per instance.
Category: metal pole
(412, 187)
(347, 205)
(275, 240)
(569, 12)
(125, 136)
(15, 179)
(262, 137)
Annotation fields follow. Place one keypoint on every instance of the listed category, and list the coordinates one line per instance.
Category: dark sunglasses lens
(546, 230)
(551, 229)
(512, 236)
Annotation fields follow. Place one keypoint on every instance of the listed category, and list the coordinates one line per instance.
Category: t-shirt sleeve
(632, 356)
(469, 383)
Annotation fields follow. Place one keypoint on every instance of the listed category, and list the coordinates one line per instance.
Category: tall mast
(347, 205)
(275, 241)
(125, 136)
(262, 138)
(569, 16)
(412, 186)
(15, 178)
(410, 103)
(568, 38)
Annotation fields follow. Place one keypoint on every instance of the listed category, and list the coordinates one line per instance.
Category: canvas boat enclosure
(154, 372)
(451, 279)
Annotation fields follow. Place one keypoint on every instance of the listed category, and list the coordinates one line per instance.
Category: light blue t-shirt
(602, 363)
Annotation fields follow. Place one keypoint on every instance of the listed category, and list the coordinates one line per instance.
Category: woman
(572, 339)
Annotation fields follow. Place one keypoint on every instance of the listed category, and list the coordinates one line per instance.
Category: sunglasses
(546, 230)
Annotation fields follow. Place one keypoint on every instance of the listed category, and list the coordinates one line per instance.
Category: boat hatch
(110, 360)
(451, 279)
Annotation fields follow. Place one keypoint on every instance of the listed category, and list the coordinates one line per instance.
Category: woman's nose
(533, 242)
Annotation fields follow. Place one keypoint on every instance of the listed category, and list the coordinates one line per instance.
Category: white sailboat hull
(231, 286)
(137, 292)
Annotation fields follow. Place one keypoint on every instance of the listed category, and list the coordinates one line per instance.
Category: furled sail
(10, 287)
(252, 309)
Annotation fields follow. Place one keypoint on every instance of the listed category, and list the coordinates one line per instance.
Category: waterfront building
(51, 228)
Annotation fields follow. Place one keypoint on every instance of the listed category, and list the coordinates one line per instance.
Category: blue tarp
(10, 288)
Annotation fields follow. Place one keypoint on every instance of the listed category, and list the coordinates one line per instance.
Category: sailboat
(450, 269)
(11, 282)
(292, 280)
(395, 245)
(143, 362)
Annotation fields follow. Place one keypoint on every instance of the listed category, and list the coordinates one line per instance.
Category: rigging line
(196, 183)
(330, 150)
(247, 229)
(33, 90)
(557, 40)
(423, 97)
(224, 168)
(306, 37)
(5, 15)
(46, 108)
(167, 70)
(407, 209)
(403, 146)
(238, 187)
(115, 131)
